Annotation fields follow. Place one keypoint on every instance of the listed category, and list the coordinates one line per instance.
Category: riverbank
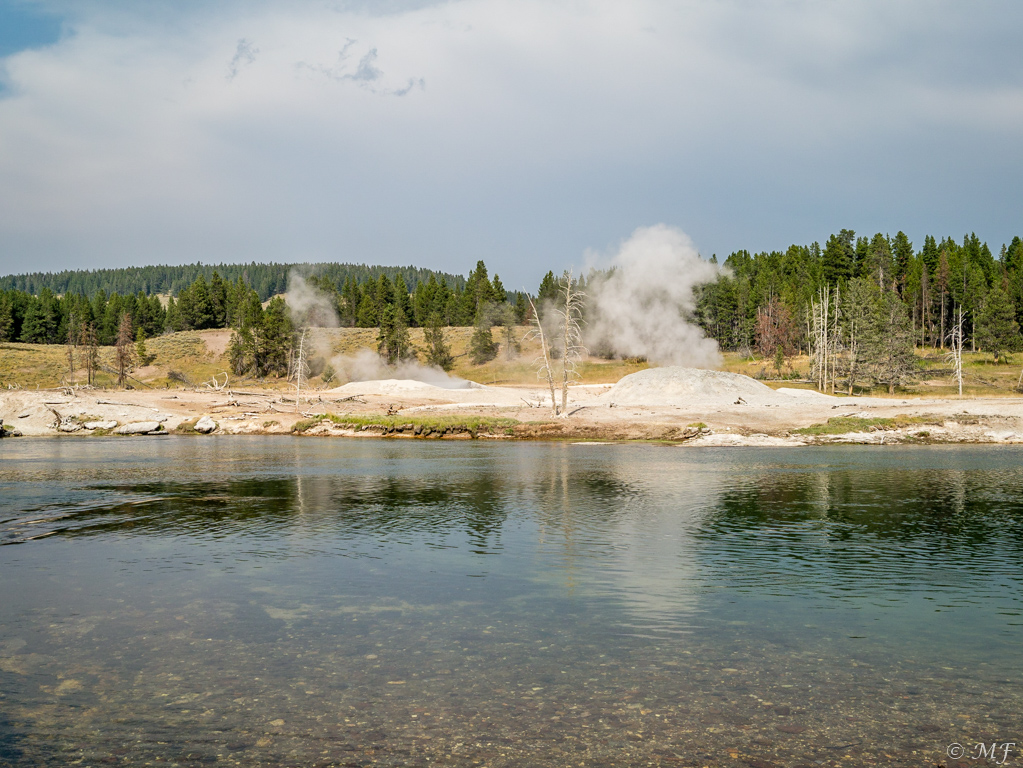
(412, 409)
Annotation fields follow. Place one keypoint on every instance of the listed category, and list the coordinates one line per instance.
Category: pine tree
(437, 350)
(859, 310)
(497, 290)
(929, 255)
(902, 250)
(394, 342)
(6, 317)
(839, 257)
(402, 301)
(368, 315)
(141, 353)
(548, 290)
(275, 337)
(33, 330)
(997, 331)
(521, 308)
(239, 351)
(482, 347)
(888, 342)
(877, 263)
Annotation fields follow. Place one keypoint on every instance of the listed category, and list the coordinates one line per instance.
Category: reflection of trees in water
(970, 506)
(349, 505)
(838, 528)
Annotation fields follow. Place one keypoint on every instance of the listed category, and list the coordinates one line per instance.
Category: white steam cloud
(311, 306)
(308, 304)
(641, 308)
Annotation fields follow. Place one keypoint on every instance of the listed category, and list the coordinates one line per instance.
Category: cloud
(366, 74)
(244, 54)
(547, 127)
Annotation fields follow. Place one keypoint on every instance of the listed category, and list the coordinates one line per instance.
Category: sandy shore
(594, 414)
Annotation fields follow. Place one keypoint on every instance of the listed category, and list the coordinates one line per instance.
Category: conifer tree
(402, 301)
(902, 251)
(839, 257)
(888, 342)
(437, 350)
(275, 337)
(482, 347)
(6, 317)
(997, 331)
(141, 353)
(394, 342)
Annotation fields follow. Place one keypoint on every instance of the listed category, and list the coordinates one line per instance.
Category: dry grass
(200, 355)
(982, 377)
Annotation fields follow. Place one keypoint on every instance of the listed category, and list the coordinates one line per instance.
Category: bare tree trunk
(72, 344)
(571, 337)
(125, 349)
(545, 360)
(955, 354)
(300, 369)
(834, 354)
(942, 318)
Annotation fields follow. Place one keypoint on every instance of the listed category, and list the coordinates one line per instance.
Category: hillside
(197, 356)
(266, 279)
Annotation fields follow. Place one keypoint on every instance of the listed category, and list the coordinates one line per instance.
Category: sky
(533, 134)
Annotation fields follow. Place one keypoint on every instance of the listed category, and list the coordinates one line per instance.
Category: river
(304, 602)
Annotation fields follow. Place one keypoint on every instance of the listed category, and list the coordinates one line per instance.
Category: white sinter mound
(675, 385)
(396, 386)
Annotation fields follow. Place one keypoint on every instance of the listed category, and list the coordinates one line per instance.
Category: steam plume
(308, 304)
(641, 307)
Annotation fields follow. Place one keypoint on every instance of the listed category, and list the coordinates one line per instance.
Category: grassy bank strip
(841, 425)
(424, 424)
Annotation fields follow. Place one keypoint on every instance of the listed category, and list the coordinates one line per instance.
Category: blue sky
(531, 134)
(26, 25)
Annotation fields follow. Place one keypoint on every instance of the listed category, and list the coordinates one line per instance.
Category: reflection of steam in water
(622, 529)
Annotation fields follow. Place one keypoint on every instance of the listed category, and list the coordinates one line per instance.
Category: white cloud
(518, 131)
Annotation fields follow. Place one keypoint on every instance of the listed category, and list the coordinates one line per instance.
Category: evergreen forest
(873, 298)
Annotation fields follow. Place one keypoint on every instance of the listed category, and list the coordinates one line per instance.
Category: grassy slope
(198, 356)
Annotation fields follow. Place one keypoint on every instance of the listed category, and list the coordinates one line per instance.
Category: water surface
(301, 602)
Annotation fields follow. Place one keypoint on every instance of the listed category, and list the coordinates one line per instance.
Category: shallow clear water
(302, 602)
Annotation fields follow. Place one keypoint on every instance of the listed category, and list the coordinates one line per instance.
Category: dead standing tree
(819, 309)
(569, 315)
(543, 363)
(90, 353)
(125, 349)
(568, 335)
(955, 352)
(73, 338)
(300, 366)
